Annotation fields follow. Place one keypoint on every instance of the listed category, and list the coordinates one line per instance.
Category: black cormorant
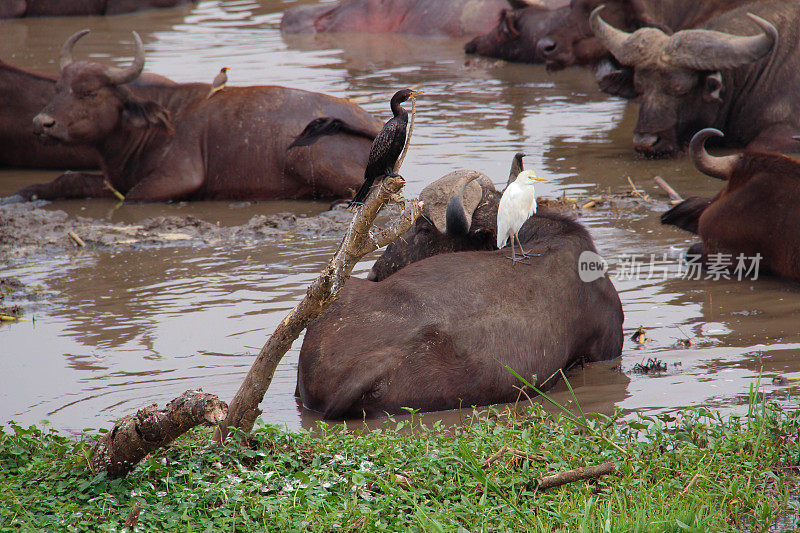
(327, 126)
(387, 146)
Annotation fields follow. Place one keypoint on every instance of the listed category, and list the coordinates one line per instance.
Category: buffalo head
(91, 100)
(677, 78)
(573, 43)
(515, 36)
(459, 213)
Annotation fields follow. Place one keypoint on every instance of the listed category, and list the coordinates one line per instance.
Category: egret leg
(524, 253)
(513, 253)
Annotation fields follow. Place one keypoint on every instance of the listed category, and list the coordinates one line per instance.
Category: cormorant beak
(415, 93)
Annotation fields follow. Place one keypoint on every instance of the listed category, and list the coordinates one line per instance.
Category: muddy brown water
(117, 329)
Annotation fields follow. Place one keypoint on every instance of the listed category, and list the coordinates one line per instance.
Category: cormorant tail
(686, 214)
(322, 126)
(362, 193)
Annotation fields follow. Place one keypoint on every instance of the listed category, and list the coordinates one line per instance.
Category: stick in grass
(505, 448)
(577, 474)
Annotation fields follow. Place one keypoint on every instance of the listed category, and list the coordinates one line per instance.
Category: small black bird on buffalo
(387, 146)
(326, 126)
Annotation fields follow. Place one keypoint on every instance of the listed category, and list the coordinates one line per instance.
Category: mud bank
(28, 228)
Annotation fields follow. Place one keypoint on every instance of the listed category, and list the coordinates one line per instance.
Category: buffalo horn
(119, 76)
(716, 167)
(456, 220)
(65, 59)
(618, 42)
(714, 50)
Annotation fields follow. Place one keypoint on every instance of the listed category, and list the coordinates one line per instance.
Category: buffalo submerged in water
(755, 215)
(23, 94)
(517, 31)
(439, 329)
(172, 142)
(574, 43)
(451, 18)
(80, 8)
(739, 72)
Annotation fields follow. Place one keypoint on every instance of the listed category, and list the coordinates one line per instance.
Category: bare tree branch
(357, 242)
(577, 474)
(135, 436)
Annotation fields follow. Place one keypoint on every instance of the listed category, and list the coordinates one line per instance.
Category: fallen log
(576, 474)
(136, 436)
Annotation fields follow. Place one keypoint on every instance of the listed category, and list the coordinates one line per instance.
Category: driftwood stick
(135, 436)
(637, 192)
(357, 242)
(673, 195)
(118, 195)
(577, 474)
(74, 236)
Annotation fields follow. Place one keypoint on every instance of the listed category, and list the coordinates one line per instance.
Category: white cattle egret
(516, 206)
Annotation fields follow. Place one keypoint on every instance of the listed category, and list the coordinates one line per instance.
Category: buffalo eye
(89, 94)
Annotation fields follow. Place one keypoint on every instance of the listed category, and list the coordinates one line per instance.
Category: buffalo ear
(712, 88)
(485, 238)
(142, 113)
(615, 80)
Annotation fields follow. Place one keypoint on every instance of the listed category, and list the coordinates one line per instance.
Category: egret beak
(537, 178)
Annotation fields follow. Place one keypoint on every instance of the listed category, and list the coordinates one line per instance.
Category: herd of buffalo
(443, 315)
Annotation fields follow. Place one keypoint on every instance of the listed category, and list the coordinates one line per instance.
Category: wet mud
(27, 228)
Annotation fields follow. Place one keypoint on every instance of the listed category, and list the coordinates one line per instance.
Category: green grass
(692, 471)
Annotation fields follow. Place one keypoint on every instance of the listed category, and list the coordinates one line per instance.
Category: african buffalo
(439, 332)
(756, 212)
(740, 72)
(79, 8)
(22, 95)
(574, 43)
(515, 36)
(171, 142)
(450, 18)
